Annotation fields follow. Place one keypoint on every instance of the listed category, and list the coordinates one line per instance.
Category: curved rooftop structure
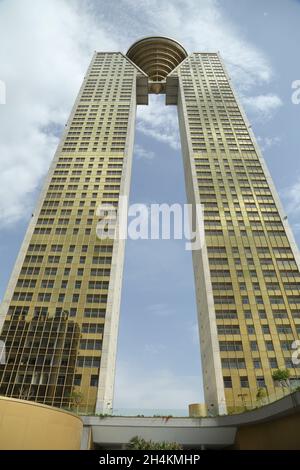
(157, 56)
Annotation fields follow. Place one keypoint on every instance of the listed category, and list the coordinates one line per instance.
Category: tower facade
(61, 310)
(64, 271)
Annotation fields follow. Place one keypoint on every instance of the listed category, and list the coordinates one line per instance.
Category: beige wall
(27, 425)
(277, 434)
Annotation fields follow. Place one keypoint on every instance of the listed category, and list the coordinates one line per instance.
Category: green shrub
(137, 443)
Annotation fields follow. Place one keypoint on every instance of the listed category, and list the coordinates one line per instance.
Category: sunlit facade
(67, 282)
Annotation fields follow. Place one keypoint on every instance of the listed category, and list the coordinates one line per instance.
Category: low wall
(26, 425)
(279, 434)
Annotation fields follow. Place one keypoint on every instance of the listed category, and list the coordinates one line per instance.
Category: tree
(137, 443)
(75, 399)
(261, 394)
(281, 377)
(25, 393)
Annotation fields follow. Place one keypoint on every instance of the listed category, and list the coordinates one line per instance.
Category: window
(273, 363)
(262, 314)
(284, 329)
(260, 382)
(94, 381)
(88, 361)
(96, 298)
(61, 380)
(251, 329)
(270, 346)
(77, 380)
(91, 344)
(98, 285)
(92, 328)
(44, 297)
(73, 312)
(40, 311)
(94, 313)
(233, 363)
(231, 346)
(228, 330)
(227, 382)
(286, 345)
(46, 284)
(53, 259)
(289, 363)
(244, 382)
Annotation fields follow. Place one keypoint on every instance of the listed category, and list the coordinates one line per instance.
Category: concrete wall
(26, 425)
(280, 434)
(214, 392)
(273, 426)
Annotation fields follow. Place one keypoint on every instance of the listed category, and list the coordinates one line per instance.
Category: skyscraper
(60, 313)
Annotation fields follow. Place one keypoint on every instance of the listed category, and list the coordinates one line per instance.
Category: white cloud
(161, 310)
(159, 121)
(292, 197)
(266, 143)
(263, 105)
(138, 387)
(143, 154)
(45, 48)
(296, 227)
(154, 348)
(206, 27)
(193, 331)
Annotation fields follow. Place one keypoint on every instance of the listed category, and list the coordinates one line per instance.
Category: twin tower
(60, 313)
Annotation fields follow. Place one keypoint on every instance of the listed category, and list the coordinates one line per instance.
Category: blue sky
(45, 48)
